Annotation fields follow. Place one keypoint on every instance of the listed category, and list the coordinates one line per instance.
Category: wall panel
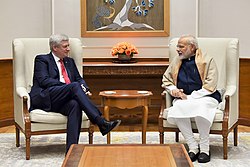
(244, 115)
(6, 93)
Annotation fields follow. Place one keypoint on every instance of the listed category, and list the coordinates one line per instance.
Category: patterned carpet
(48, 150)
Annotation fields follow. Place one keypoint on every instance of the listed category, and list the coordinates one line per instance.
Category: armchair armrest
(163, 104)
(23, 93)
(230, 91)
(230, 106)
(23, 105)
(166, 101)
(169, 99)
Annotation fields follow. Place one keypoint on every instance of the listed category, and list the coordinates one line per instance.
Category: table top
(125, 93)
(124, 155)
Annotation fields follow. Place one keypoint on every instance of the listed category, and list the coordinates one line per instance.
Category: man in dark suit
(58, 87)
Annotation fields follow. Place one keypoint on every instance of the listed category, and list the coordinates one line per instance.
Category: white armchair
(38, 122)
(226, 54)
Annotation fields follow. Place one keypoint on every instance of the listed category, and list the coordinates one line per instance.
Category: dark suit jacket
(46, 75)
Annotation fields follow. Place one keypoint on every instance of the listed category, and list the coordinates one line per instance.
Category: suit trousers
(70, 100)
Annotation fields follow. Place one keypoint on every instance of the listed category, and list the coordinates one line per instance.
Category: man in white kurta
(191, 79)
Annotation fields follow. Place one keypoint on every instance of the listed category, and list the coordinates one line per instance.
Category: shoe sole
(203, 161)
(119, 122)
(195, 157)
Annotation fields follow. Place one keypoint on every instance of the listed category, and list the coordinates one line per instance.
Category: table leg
(106, 116)
(144, 123)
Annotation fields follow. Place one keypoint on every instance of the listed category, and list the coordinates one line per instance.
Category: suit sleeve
(78, 78)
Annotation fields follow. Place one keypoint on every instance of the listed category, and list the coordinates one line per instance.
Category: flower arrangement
(124, 48)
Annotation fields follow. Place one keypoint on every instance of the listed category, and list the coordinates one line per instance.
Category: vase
(124, 57)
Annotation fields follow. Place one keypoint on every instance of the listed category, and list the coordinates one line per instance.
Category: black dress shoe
(203, 158)
(193, 156)
(107, 126)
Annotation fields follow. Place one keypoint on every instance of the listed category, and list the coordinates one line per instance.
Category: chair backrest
(225, 53)
(25, 51)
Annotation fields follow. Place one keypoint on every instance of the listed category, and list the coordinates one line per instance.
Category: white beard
(186, 55)
(182, 57)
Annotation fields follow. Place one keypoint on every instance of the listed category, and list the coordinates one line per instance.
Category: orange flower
(124, 47)
(128, 52)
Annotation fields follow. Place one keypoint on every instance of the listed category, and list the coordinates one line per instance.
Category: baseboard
(6, 122)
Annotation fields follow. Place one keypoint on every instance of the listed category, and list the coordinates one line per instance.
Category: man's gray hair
(191, 40)
(56, 39)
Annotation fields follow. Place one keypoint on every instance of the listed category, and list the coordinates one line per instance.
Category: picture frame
(125, 18)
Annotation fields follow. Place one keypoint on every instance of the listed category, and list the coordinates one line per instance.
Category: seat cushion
(218, 115)
(41, 116)
(217, 123)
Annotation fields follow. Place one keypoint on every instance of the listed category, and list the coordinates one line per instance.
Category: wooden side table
(127, 99)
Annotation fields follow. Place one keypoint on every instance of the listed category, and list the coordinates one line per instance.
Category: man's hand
(178, 93)
(183, 96)
(88, 93)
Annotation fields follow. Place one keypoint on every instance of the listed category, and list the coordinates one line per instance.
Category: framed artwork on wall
(124, 18)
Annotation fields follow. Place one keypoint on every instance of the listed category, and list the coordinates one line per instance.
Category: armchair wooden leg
(225, 146)
(161, 135)
(177, 136)
(236, 136)
(27, 138)
(17, 137)
(90, 137)
(91, 131)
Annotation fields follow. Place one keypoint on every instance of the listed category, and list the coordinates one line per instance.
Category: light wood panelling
(244, 81)
(6, 92)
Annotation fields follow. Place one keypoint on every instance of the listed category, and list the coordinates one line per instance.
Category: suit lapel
(67, 66)
(53, 64)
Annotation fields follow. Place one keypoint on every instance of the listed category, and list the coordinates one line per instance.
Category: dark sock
(99, 120)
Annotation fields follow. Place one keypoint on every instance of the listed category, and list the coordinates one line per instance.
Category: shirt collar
(55, 57)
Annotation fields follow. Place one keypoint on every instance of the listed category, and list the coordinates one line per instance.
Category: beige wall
(226, 18)
(39, 18)
(23, 18)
